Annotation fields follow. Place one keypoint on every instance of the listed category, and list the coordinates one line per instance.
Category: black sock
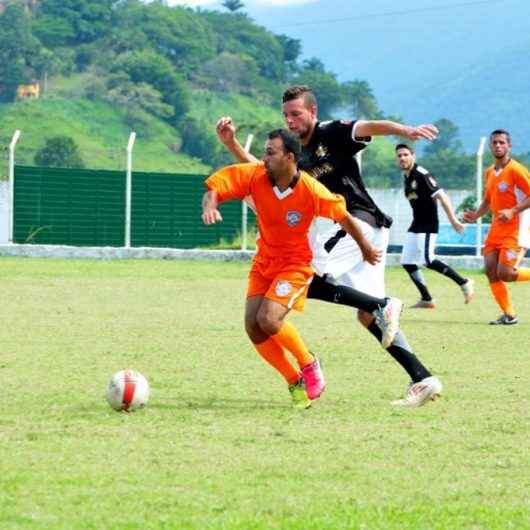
(417, 277)
(442, 268)
(322, 289)
(403, 354)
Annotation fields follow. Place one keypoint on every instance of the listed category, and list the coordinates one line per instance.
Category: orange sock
(523, 275)
(290, 339)
(502, 296)
(273, 353)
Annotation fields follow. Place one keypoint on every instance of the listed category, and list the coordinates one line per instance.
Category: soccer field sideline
(219, 446)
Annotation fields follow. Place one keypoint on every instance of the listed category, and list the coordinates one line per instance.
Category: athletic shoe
(313, 379)
(387, 319)
(299, 395)
(505, 320)
(419, 393)
(469, 290)
(424, 304)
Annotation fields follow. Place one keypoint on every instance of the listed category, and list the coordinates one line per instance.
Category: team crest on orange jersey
(511, 254)
(293, 218)
(503, 186)
(283, 288)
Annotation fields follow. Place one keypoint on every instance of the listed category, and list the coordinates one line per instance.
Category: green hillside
(101, 130)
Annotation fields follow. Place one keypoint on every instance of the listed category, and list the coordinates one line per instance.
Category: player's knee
(268, 323)
(507, 275)
(253, 330)
(364, 318)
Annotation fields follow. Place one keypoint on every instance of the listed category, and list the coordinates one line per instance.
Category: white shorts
(524, 229)
(344, 262)
(418, 249)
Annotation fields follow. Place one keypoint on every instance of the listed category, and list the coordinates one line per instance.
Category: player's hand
(371, 254)
(226, 130)
(506, 215)
(469, 216)
(211, 216)
(421, 132)
(459, 227)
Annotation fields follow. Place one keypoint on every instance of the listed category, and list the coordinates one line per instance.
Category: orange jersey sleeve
(232, 182)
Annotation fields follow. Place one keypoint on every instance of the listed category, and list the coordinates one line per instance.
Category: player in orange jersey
(286, 202)
(507, 195)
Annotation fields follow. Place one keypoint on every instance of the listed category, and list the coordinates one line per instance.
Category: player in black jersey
(328, 150)
(423, 193)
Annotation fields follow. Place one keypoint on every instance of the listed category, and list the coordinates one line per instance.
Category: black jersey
(420, 188)
(329, 157)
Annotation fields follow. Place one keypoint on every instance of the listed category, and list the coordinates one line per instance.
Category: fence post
(478, 235)
(11, 199)
(128, 190)
(244, 205)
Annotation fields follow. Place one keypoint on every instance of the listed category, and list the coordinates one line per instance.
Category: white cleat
(469, 290)
(387, 319)
(418, 394)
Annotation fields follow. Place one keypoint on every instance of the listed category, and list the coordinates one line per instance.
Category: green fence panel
(166, 212)
(69, 206)
(87, 208)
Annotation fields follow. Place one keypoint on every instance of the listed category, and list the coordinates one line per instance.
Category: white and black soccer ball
(128, 390)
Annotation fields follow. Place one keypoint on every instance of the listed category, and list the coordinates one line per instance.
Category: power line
(390, 13)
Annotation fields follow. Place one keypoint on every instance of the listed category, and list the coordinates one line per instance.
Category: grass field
(219, 445)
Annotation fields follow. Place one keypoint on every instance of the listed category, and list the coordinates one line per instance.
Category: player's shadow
(218, 404)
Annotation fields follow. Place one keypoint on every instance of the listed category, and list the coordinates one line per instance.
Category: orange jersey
(503, 191)
(284, 218)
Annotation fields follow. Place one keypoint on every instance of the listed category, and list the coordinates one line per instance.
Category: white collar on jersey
(282, 194)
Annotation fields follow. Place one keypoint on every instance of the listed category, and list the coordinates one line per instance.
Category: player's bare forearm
(365, 128)
(351, 226)
(210, 213)
(470, 216)
(226, 132)
(445, 201)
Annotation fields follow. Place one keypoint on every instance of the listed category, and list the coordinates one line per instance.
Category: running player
(287, 201)
(507, 195)
(423, 192)
(328, 150)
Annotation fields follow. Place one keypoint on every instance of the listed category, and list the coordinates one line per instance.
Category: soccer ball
(128, 390)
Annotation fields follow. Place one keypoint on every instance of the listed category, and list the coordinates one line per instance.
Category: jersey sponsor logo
(293, 218)
(511, 254)
(283, 288)
(321, 151)
(502, 186)
(433, 181)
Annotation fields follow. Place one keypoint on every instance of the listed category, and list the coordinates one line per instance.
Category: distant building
(31, 91)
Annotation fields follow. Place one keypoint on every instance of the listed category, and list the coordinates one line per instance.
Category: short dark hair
(300, 91)
(291, 143)
(404, 146)
(501, 131)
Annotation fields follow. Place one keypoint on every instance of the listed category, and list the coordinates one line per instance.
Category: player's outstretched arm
(365, 128)
(445, 201)
(508, 214)
(210, 213)
(226, 132)
(370, 254)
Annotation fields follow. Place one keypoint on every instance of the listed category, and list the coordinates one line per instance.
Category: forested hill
(165, 72)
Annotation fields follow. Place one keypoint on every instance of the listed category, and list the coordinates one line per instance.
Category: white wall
(4, 211)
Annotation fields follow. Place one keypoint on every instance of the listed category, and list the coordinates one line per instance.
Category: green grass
(218, 445)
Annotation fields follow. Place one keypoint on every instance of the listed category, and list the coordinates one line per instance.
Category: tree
(359, 98)
(59, 151)
(447, 138)
(17, 47)
(233, 5)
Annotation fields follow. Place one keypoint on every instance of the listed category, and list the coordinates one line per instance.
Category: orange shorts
(283, 281)
(509, 253)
